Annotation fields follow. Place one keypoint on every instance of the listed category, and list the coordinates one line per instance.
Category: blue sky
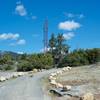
(21, 23)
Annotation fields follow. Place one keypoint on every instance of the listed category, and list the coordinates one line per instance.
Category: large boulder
(35, 70)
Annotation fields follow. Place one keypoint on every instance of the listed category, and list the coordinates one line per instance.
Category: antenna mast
(45, 37)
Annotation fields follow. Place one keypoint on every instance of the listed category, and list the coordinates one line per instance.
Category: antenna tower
(45, 35)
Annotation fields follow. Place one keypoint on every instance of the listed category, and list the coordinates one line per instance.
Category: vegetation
(57, 56)
(81, 57)
(41, 60)
(26, 62)
(58, 48)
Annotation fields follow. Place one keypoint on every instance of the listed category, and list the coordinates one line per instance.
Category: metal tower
(45, 35)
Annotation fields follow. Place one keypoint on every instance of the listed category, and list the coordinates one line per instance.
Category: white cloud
(6, 36)
(18, 42)
(20, 52)
(13, 37)
(21, 42)
(34, 17)
(71, 15)
(81, 16)
(68, 36)
(20, 10)
(69, 25)
(18, 2)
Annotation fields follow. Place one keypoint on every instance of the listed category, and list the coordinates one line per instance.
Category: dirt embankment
(84, 78)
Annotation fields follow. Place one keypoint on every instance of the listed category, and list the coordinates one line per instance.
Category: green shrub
(40, 61)
(8, 67)
(24, 66)
(81, 57)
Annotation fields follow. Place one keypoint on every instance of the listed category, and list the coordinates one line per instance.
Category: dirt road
(24, 88)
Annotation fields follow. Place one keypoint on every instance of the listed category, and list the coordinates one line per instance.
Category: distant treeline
(57, 56)
(81, 57)
(25, 62)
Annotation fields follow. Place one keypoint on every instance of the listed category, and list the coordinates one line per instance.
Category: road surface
(24, 88)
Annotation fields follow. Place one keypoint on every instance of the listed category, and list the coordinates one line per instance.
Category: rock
(87, 96)
(52, 78)
(53, 82)
(67, 87)
(15, 75)
(35, 70)
(39, 70)
(20, 73)
(68, 67)
(8, 76)
(59, 72)
(53, 74)
(2, 79)
(59, 85)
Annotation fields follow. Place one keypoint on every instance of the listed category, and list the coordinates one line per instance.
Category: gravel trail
(24, 88)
